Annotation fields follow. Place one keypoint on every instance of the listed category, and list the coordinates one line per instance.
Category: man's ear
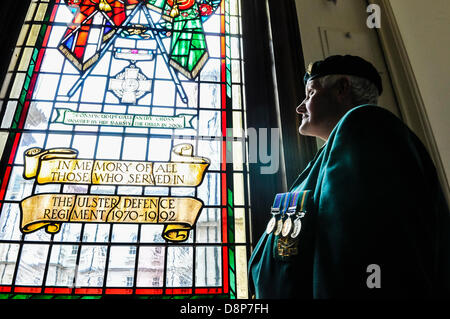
(343, 90)
(343, 86)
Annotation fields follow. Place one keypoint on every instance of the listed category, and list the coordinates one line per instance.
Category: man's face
(317, 110)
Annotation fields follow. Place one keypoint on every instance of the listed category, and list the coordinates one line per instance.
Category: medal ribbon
(286, 201)
(278, 200)
(294, 200)
(305, 195)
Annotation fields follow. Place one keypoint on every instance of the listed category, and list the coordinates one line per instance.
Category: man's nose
(301, 108)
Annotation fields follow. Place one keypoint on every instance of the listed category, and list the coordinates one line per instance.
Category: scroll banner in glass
(50, 210)
(60, 165)
(67, 116)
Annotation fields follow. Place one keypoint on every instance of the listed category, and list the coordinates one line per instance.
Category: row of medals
(286, 227)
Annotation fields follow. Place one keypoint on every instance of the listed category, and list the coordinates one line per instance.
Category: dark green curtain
(266, 46)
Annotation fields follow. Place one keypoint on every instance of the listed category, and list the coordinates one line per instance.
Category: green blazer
(376, 202)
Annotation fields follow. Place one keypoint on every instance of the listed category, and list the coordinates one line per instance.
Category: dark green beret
(344, 64)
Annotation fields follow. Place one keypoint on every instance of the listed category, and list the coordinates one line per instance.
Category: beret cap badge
(344, 64)
(309, 69)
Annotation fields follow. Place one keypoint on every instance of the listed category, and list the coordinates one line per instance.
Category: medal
(281, 221)
(297, 222)
(279, 227)
(297, 228)
(275, 210)
(287, 227)
(271, 225)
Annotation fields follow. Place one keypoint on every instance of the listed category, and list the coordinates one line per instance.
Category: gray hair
(362, 90)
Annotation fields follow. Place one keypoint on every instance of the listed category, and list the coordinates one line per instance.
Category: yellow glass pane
(237, 124)
(30, 12)
(25, 61)
(237, 105)
(235, 71)
(34, 32)
(234, 25)
(238, 156)
(3, 138)
(41, 12)
(244, 105)
(234, 7)
(14, 58)
(17, 87)
(22, 34)
(5, 85)
(238, 181)
(9, 114)
(239, 225)
(241, 272)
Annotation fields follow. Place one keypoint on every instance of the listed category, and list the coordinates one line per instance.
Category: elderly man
(367, 217)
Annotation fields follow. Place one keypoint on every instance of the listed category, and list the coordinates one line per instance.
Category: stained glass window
(117, 176)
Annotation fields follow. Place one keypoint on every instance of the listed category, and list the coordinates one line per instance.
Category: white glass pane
(211, 71)
(159, 149)
(58, 140)
(213, 151)
(93, 89)
(61, 270)
(209, 190)
(210, 95)
(8, 257)
(213, 43)
(92, 266)
(38, 115)
(102, 189)
(210, 123)
(98, 233)
(48, 188)
(134, 148)
(85, 144)
(179, 266)
(52, 61)
(109, 147)
(121, 266)
(208, 227)
(208, 267)
(129, 190)
(164, 93)
(18, 187)
(150, 267)
(10, 222)
(152, 233)
(124, 233)
(32, 265)
(70, 232)
(46, 87)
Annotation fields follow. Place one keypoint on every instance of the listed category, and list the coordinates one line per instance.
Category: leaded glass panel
(118, 177)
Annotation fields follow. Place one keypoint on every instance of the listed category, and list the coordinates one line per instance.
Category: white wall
(327, 28)
(425, 30)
